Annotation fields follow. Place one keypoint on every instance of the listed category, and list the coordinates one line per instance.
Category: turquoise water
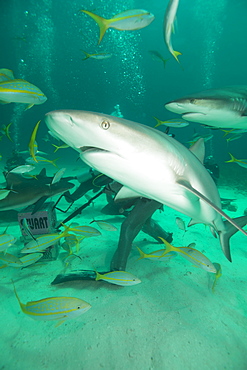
(42, 42)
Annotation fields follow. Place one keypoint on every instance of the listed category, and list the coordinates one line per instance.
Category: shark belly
(154, 177)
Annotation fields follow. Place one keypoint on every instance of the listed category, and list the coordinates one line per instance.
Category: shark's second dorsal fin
(198, 149)
(126, 193)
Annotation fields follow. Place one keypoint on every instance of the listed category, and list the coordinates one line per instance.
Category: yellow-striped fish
(5, 131)
(174, 123)
(54, 308)
(159, 254)
(86, 231)
(128, 20)
(217, 275)
(21, 91)
(72, 241)
(6, 75)
(6, 241)
(42, 242)
(97, 56)
(168, 27)
(194, 256)
(32, 144)
(63, 146)
(122, 278)
(30, 160)
(10, 258)
(27, 260)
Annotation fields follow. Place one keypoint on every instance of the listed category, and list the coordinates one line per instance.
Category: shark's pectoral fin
(39, 204)
(185, 184)
(126, 193)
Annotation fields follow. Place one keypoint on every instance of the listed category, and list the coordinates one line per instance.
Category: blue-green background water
(173, 321)
(210, 34)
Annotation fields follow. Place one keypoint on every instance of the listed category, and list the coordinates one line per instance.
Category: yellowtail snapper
(217, 275)
(128, 20)
(54, 308)
(159, 254)
(122, 278)
(21, 91)
(42, 242)
(192, 255)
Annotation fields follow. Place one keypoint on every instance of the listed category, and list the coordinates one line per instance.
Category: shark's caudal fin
(231, 225)
(187, 186)
(229, 231)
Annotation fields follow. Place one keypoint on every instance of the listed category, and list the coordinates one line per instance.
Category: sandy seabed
(172, 320)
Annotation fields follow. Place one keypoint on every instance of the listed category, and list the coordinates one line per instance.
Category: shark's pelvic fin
(126, 193)
(39, 204)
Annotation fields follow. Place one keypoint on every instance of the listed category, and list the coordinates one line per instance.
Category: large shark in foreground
(225, 107)
(148, 163)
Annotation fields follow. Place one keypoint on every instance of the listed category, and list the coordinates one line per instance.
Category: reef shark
(225, 107)
(149, 164)
(25, 192)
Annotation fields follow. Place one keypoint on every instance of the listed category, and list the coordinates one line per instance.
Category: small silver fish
(59, 174)
(105, 225)
(22, 169)
(180, 223)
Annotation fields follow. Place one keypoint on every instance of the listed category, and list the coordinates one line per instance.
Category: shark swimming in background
(149, 164)
(225, 107)
(25, 192)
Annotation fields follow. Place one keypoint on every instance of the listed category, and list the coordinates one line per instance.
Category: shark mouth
(94, 149)
(191, 113)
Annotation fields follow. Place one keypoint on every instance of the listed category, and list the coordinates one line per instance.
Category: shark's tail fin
(229, 231)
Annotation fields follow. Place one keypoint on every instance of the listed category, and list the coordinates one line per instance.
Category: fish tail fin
(159, 122)
(101, 22)
(142, 254)
(20, 303)
(65, 232)
(176, 54)
(87, 55)
(98, 276)
(168, 246)
(233, 159)
(164, 62)
(54, 162)
(56, 147)
(29, 106)
(229, 231)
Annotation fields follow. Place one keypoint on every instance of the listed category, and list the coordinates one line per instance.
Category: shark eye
(105, 124)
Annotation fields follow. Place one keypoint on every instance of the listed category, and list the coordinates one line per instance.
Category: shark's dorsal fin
(198, 149)
(185, 184)
(126, 193)
(42, 172)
